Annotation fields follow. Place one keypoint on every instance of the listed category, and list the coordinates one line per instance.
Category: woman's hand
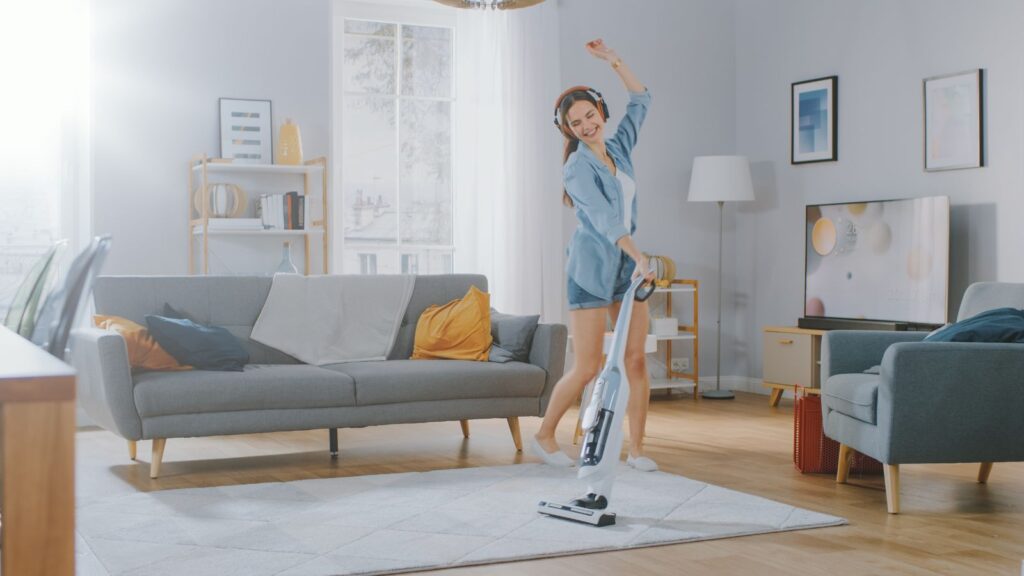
(600, 51)
(643, 269)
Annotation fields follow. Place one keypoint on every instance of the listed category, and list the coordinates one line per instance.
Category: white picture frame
(246, 131)
(954, 121)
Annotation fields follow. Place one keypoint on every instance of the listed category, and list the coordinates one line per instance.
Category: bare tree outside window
(396, 136)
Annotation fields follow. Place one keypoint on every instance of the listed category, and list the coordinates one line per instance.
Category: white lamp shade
(720, 179)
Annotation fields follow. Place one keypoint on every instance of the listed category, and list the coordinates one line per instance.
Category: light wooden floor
(949, 524)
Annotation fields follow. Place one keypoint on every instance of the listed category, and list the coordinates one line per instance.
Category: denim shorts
(580, 299)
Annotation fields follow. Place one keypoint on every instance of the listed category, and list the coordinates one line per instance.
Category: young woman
(603, 258)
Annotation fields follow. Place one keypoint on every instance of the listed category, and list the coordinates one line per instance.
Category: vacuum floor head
(590, 516)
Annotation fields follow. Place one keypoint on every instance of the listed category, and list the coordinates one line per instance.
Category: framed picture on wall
(814, 120)
(953, 122)
(246, 131)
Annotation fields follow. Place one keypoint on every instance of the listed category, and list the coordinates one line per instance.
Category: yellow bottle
(289, 144)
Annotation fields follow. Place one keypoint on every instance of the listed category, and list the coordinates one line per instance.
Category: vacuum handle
(644, 291)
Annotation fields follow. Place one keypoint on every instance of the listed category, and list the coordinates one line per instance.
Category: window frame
(399, 12)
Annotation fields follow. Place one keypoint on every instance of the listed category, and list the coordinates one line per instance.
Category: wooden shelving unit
(200, 171)
(689, 332)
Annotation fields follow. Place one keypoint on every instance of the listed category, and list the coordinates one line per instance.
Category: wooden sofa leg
(984, 471)
(132, 449)
(892, 487)
(513, 426)
(332, 438)
(843, 470)
(158, 456)
(465, 428)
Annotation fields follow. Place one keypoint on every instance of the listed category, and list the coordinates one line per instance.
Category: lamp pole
(718, 393)
(720, 179)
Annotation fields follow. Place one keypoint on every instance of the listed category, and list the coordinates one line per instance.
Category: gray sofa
(275, 391)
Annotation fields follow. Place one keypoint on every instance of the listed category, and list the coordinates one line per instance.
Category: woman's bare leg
(636, 371)
(588, 327)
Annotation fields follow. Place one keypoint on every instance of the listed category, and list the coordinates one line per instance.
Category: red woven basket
(813, 453)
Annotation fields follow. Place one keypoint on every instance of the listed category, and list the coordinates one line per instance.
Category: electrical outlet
(680, 364)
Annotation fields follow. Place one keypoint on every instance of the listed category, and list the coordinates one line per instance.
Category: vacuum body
(602, 424)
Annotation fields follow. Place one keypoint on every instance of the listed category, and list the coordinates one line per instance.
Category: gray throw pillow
(513, 336)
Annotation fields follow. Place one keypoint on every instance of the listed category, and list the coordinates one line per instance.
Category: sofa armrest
(851, 351)
(548, 352)
(952, 401)
(105, 388)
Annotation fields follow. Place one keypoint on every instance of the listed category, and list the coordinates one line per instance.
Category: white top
(628, 191)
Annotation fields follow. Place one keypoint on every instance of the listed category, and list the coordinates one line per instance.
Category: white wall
(881, 50)
(719, 71)
(684, 51)
(160, 67)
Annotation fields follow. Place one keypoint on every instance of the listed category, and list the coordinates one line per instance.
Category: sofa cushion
(852, 394)
(201, 346)
(458, 330)
(512, 335)
(430, 289)
(396, 381)
(143, 351)
(257, 387)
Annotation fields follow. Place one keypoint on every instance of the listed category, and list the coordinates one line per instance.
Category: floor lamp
(720, 179)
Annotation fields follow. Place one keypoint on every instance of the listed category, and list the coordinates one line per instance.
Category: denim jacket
(597, 196)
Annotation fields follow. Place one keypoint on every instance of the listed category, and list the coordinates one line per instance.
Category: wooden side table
(791, 360)
(37, 439)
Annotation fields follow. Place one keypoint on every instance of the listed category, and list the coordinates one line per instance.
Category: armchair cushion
(853, 394)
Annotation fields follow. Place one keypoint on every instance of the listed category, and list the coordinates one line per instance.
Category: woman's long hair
(571, 142)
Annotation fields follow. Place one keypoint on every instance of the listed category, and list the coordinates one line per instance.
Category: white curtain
(44, 151)
(508, 191)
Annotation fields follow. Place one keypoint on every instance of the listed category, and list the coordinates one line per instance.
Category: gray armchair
(931, 402)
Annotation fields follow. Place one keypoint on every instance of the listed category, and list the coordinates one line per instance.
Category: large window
(43, 197)
(396, 125)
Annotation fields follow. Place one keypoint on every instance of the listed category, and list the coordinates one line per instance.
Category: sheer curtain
(44, 169)
(508, 167)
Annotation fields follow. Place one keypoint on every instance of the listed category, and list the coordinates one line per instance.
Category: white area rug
(404, 522)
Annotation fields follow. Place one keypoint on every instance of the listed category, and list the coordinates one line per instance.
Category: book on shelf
(282, 211)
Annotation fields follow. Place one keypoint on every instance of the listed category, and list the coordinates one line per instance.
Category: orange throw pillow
(143, 351)
(459, 330)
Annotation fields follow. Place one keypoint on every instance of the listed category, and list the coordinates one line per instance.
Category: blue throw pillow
(997, 325)
(203, 347)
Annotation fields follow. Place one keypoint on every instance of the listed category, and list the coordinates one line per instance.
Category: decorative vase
(226, 201)
(289, 144)
(286, 266)
(664, 269)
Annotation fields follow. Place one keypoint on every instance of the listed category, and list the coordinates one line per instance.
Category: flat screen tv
(885, 261)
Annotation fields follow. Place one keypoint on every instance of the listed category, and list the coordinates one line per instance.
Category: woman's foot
(642, 463)
(556, 458)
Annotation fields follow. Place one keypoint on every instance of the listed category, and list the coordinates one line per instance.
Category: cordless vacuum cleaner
(602, 422)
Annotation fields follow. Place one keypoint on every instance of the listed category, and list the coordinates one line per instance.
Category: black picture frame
(814, 121)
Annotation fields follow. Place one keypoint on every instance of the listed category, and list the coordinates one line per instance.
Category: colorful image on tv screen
(885, 260)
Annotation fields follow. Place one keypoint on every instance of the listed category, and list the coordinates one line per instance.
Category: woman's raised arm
(602, 52)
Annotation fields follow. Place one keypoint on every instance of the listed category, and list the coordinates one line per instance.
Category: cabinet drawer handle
(785, 341)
